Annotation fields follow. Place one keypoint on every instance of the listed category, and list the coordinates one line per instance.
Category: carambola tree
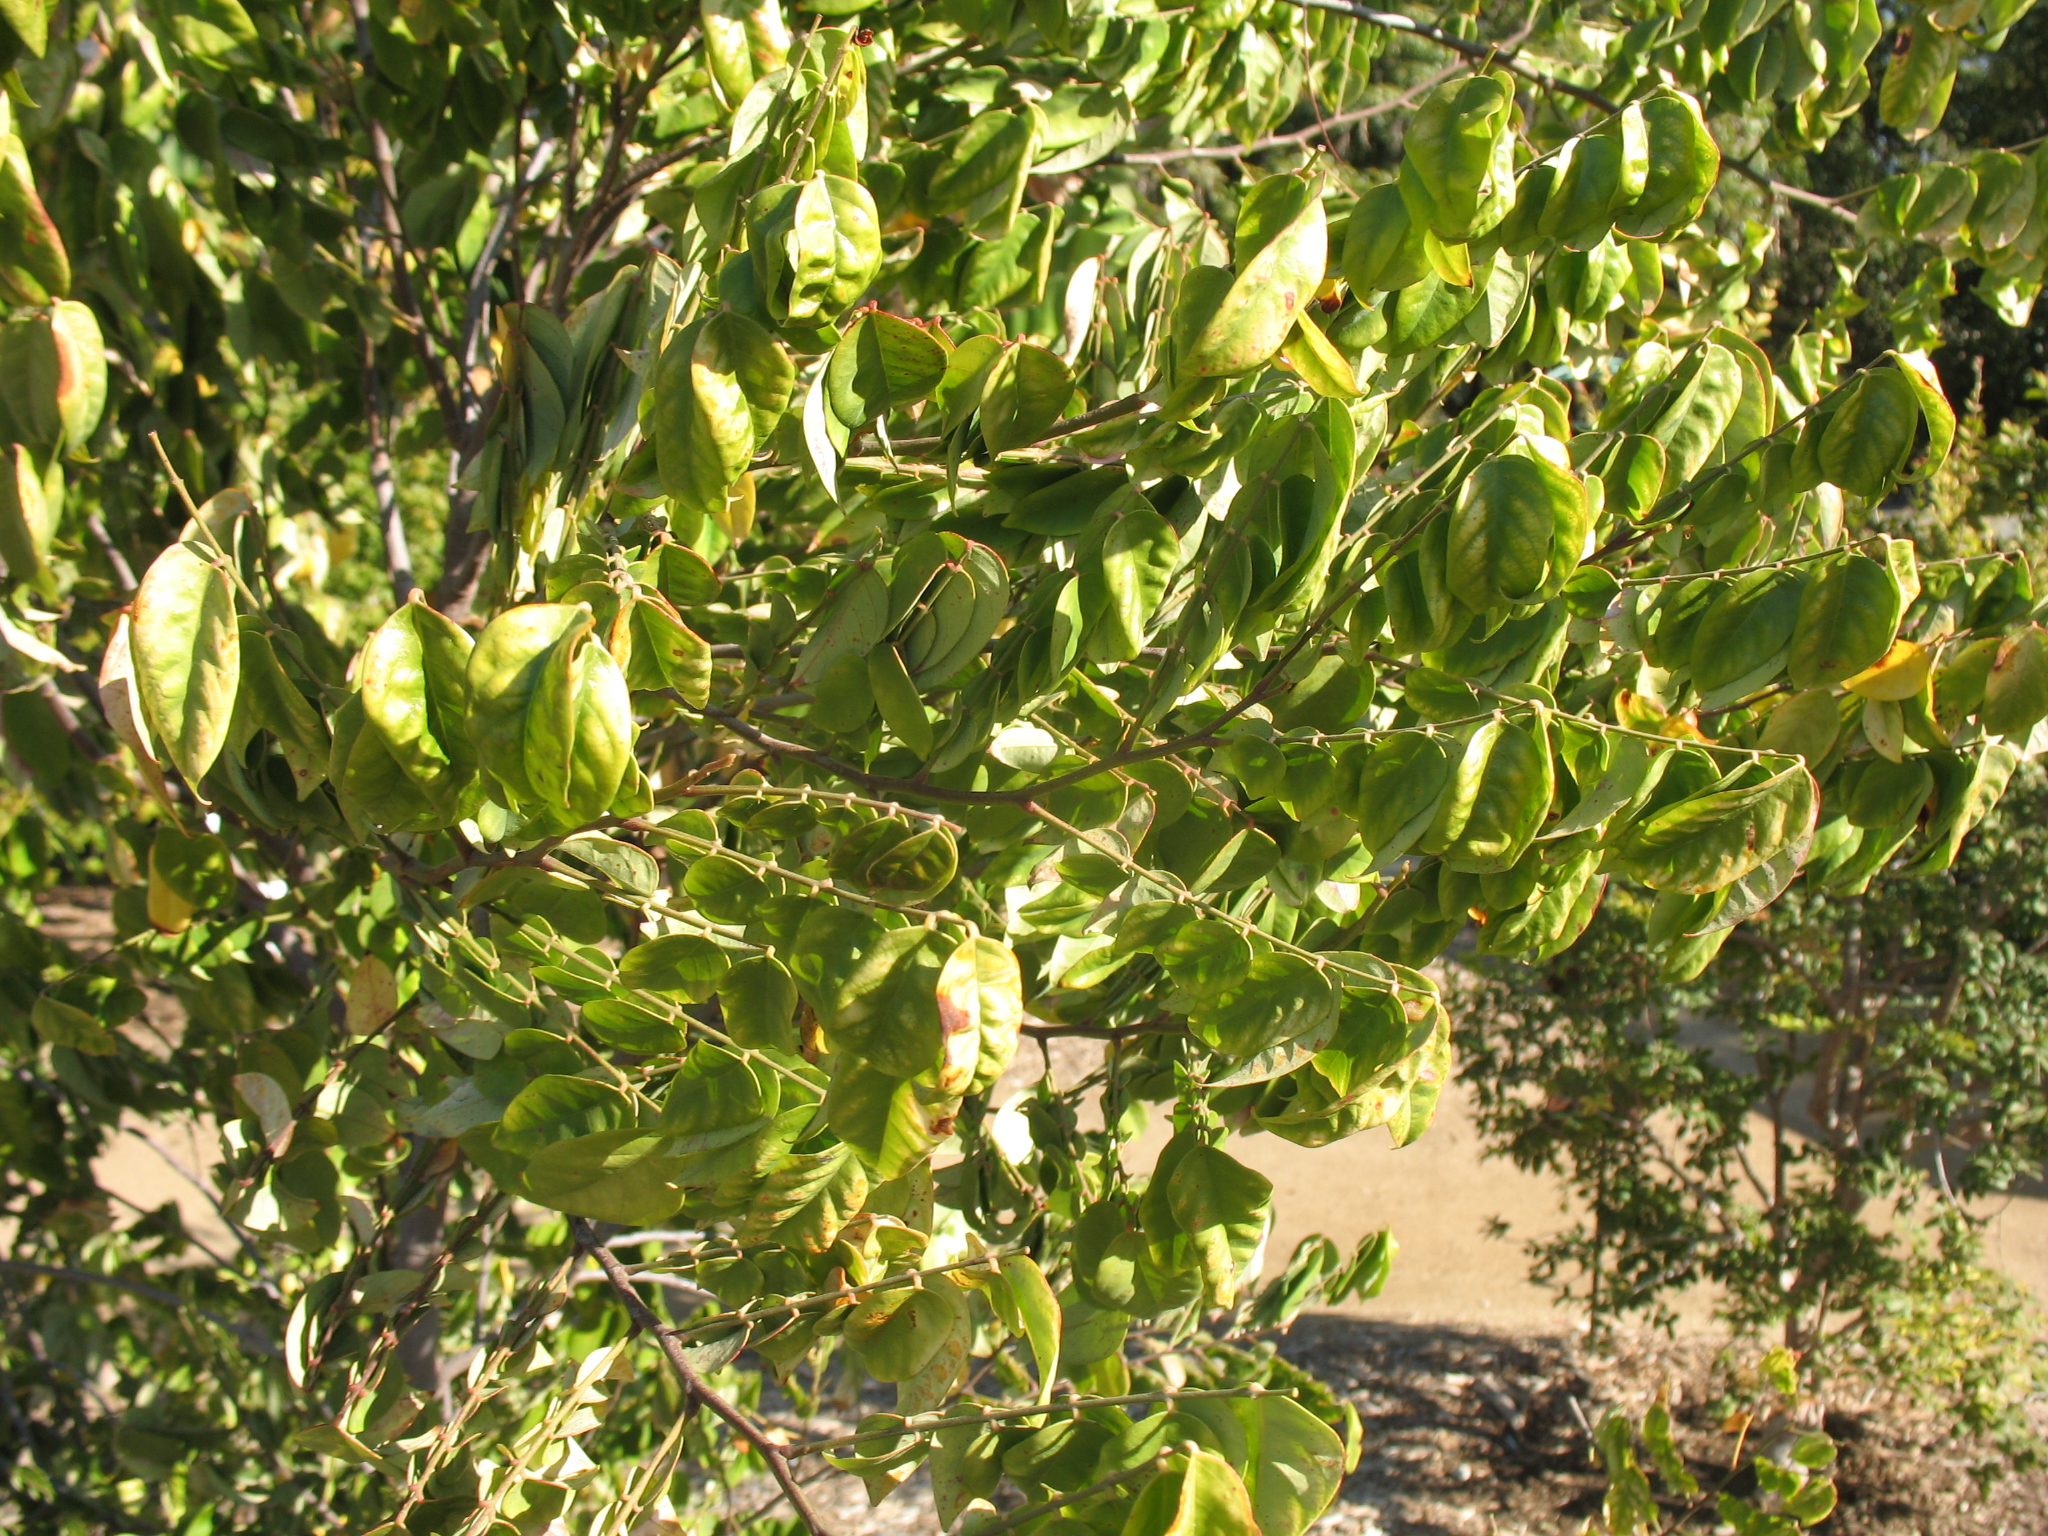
(906, 533)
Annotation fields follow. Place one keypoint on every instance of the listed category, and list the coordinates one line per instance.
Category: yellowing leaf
(1899, 674)
(1322, 367)
(372, 996)
(1272, 287)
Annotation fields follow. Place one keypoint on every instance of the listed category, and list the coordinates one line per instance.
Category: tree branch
(1320, 130)
(397, 550)
(1502, 54)
(693, 1384)
(1787, 191)
(401, 267)
(914, 789)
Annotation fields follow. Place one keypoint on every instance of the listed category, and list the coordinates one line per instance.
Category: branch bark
(401, 267)
(693, 1384)
(383, 482)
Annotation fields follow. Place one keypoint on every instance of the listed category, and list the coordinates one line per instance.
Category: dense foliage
(946, 525)
(1819, 1123)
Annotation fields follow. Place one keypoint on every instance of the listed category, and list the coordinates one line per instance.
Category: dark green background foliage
(1813, 1125)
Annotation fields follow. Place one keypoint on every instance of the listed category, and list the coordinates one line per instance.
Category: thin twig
(1068, 1404)
(1319, 130)
(1787, 191)
(1484, 53)
(928, 791)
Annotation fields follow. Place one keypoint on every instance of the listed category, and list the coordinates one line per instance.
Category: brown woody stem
(693, 1384)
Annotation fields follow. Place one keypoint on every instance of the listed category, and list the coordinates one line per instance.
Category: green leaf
(664, 652)
(1499, 795)
(883, 1002)
(1870, 433)
(703, 420)
(1746, 635)
(1223, 1208)
(1917, 82)
(1457, 165)
(1600, 172)
(1204, 1497)
(959, 392)
(1281, 250)
(28, 523)
(1684, 163)
(615, 1175)
(882, 364)
(966, 1464)
(1919, 374)
(1369, 1268)
(1294, 1463)
(265, 1097)
(1382, 243)
(1812, 1502)
(1124, 564)
(1698, 413)
(34, 267)
(1508, 519)
(757, 1004)
(280, 708)
(187, 656)
(1848, 615)
(30, 21)
(881, 1118)
(1704, 843)
(1806, 723)
(60, 1023)
(505, 677)
(686, 964)
(990, 157)
(980, 997)
(715, 1100)
(1034, 1312)
(1023, 394)
(556, 1108)
(1664, 1452)
(898, 1332)
(1400, 782)
(1630, 1507)
(734, 344)
(1280, 998)
(806, 1199)
(414, 679)
(724, 889)
(187, 875)
(2016, 687)
(1206, 956)
(896, 696)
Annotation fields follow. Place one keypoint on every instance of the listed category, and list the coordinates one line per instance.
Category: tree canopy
(628, 600)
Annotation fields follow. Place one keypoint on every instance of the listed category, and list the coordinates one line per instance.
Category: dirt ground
(1473, 1432)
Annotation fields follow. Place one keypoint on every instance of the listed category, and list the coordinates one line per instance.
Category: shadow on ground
(1470, 1432)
